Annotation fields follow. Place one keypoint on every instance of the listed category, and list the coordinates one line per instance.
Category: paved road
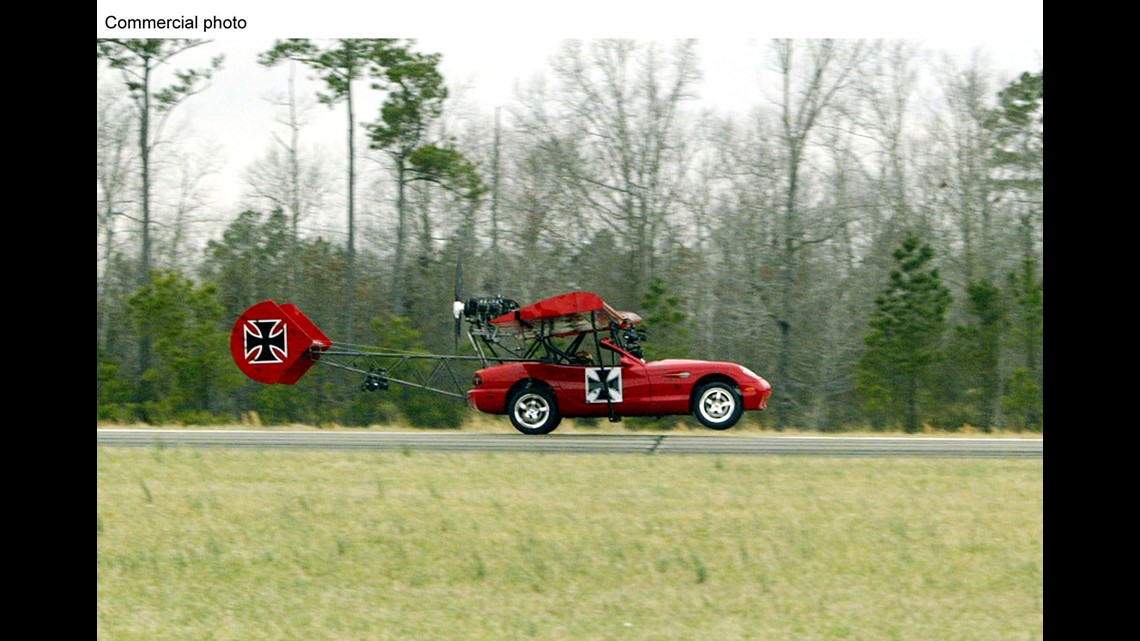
(601, 443)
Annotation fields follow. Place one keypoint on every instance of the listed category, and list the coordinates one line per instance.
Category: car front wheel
(534, 410)
(717, 405)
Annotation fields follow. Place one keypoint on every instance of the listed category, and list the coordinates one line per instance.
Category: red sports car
(606, 378)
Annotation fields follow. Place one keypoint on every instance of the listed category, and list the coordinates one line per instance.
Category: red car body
(635, 388)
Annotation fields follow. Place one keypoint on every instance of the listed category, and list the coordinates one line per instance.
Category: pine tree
(339, 64)
(665, 318)
(193, 374)
(403, 131)
(1022, 402)
(979, 350)
(904, 344)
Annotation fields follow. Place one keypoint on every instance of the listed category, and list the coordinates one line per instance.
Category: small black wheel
(717, 405)
(534, 410)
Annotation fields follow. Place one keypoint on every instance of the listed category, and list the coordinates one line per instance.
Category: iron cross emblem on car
(599, 390)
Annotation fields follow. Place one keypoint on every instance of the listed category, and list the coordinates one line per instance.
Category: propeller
(457, 306)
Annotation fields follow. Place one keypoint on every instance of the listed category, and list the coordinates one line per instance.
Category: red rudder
(274, 343)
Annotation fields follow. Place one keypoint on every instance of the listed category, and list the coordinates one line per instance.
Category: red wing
(564, 315)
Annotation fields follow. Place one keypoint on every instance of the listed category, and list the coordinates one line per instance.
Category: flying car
(568, 356)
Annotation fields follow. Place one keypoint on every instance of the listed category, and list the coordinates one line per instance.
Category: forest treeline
(868, 238)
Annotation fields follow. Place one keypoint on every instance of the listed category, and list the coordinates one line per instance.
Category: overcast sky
(489, 45)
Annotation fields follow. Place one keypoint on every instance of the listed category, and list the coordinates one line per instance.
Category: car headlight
(748, 372)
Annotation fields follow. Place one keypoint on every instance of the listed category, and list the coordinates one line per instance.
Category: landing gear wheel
(534, 410)
(717, 405)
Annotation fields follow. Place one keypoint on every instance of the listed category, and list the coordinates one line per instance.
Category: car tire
(534, 410)
(717, 405)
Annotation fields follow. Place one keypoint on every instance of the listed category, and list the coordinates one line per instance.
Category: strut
(437, 373)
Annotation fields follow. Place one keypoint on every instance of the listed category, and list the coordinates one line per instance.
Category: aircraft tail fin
(273, 343)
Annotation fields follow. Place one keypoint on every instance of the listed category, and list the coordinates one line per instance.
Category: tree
(1018, 161)
(193, 371)
(186, 199)
(542, 221)
(416, 94)
(979, 355)
(807, 95)
(620, 137)
(1023, 400)
(906, 333)
(737, 226)
(112, 391)
(886, 99)
(289, 180)
(139, 62)
(339, 64)
(1018, 173)
(250, 261)
(665, 321)
(961, 147)
(114, 167)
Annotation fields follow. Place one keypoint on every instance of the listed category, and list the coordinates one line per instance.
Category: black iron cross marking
(265, 341)
(607, 390)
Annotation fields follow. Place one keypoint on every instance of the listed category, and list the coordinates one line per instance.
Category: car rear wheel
(717, 405)
(534, 410)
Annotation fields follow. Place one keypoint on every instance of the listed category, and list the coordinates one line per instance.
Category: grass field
(262, 545)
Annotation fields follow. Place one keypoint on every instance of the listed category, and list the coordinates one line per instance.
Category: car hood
(682, 364)
(674, 366)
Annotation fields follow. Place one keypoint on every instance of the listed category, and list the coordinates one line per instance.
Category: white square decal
(602, 390)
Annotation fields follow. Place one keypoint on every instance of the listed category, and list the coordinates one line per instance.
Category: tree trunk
(398, 295)
(350, 264)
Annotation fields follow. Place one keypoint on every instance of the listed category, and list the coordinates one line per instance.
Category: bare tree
(811, 86)
(340, 64)
(115, 168)
(286, 177)
(885, 99)
(622, 101)
(963, 148)
(542, 226)
(139, 62)
(743, 226)
(185, 189)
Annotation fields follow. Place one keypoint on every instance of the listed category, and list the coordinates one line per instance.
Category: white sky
(488, 45)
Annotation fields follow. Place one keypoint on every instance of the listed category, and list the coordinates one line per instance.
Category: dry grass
(265, 545)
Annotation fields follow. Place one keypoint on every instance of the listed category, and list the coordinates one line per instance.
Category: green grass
(259, 545)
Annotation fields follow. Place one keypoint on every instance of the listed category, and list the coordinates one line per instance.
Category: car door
(632, 380)
(589, 390)
(570, 387)
(637, 391)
